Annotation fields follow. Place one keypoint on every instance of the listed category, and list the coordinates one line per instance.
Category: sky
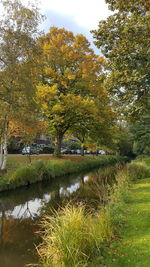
(78, 16)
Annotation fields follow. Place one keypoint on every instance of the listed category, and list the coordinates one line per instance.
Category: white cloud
(86, 13)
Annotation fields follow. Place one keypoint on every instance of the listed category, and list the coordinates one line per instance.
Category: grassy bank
(116, 235)
(40, 170)
(75, 236)
(132, 248)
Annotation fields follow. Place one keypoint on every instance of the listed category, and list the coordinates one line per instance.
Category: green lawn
(134, 248)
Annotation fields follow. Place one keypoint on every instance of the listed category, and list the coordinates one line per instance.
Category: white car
(30, 150)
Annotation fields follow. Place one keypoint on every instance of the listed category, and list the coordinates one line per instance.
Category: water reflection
(22, 209)
(20, 212)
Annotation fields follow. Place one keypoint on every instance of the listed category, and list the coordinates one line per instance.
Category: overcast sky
(79, 16)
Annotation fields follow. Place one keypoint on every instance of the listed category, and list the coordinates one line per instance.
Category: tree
(124, 40)
(98, 128)
(70, 75)
(141, 133)
(18, 33)
(124, 142)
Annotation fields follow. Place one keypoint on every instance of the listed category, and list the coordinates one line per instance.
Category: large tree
(124, 40)
(70, 79)
(18, 33)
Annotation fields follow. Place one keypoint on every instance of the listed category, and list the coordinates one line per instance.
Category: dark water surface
(21, 211)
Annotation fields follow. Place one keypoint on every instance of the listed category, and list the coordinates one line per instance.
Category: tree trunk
(2, 221)
(82, 150)
(1, 155)
(58, 147)
(3, 148)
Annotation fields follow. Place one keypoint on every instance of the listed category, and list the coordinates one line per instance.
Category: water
(21, 211)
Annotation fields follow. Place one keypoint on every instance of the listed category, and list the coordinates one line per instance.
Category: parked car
(30, 150)
(65, 151)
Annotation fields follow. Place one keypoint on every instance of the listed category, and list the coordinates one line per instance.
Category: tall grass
(75, 237)
(42, 170)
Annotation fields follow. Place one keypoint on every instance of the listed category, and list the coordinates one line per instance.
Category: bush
(138, 170)
(47, 150)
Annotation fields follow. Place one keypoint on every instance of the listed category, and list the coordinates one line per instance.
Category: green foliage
(141, 132)
(74, 146)
(130, 5)
(13, 146)
(47, 150)
(17, 69)
(125, 142)
(138, 170)
(123, 39)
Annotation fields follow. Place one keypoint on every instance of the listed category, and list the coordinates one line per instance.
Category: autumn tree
(124, 40)
(97, 130)
(18, 33)
(70, 72)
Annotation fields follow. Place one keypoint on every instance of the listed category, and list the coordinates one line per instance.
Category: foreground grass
(76, 236)
(134, 248)
(117, 235)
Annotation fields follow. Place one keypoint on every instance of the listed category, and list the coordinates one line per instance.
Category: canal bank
(23, 209)
(40, 170)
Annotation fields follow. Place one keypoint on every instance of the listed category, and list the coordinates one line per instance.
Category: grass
(16, 161)
(76, 236)
(73, 237)
(49, 168)
(117, 235)
(134, 248)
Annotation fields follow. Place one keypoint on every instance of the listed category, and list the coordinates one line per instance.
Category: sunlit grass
(134, 248)
(73, 237)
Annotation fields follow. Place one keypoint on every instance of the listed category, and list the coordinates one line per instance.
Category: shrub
(138, 170)
(47, 150)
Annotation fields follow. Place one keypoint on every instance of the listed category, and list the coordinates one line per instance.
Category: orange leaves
(71, 95)
(66, 58)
